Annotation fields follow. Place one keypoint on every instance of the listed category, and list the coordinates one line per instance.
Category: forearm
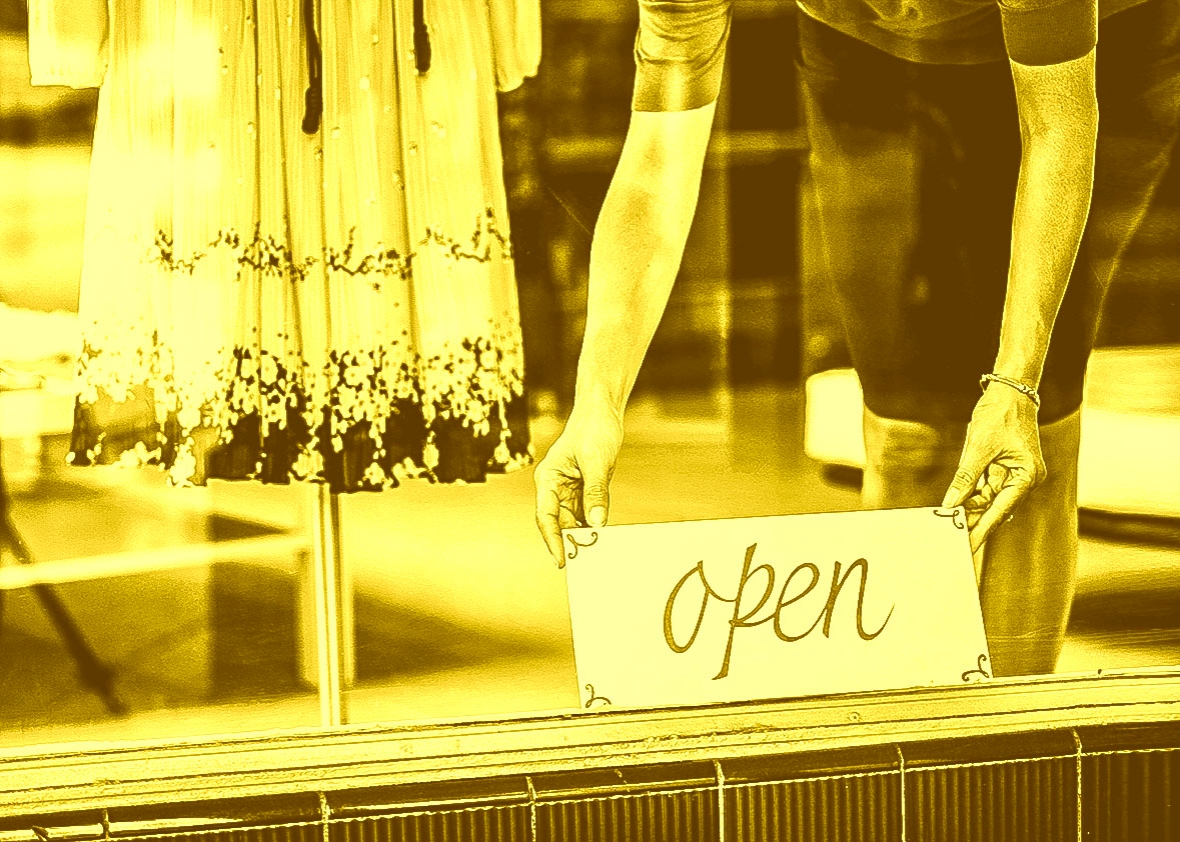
(1059, 128)
(637, 250)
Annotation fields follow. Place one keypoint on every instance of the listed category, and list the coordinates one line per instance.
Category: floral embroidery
(367, 418)
(266, 254)
(486, 235)
(263, 254)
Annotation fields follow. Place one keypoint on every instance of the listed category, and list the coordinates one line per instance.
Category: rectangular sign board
(715, 611)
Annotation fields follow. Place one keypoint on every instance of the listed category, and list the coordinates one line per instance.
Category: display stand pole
(333, 610)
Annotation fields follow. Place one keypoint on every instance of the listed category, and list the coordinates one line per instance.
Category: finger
(1007, 500)
(975, 505)
(978, 500)
(596, 495)
(971, 466)
(983, 495)
(568, 518)
(552, 502)
(995, 478)
(548, 514)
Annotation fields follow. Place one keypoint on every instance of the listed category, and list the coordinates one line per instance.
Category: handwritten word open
(786, 597)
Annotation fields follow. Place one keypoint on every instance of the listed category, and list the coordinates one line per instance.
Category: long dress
(275, 291)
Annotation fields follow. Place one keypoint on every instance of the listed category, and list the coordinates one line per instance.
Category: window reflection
(202, 602)
(142, 611)
(131, 610)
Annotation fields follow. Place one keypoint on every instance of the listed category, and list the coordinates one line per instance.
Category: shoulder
(690, 24)
(681, 18)
(1040, 32)
(679, 53)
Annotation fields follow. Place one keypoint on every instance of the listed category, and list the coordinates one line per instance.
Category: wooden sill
(78, 777)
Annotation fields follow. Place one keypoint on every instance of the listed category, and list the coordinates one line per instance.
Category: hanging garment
(297, 262)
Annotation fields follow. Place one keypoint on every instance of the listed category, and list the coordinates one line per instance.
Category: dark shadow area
(1140, 529)
(1129, 611)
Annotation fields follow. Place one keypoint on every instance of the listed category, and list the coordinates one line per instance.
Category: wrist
(599, 406)
(1022, 371)
(1016, 387)
(1021, 360)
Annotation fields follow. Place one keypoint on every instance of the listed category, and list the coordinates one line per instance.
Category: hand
(573, 480)
(1001, 461)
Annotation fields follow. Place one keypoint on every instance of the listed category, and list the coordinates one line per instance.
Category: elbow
(653, 205)
(1067, 146)
(638, 222)
(1074, 128)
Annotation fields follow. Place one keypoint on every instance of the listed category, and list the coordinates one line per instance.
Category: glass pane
(131, 610)
(143, 611)
(135, 610)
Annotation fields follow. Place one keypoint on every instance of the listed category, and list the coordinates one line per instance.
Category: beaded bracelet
(1024, 389)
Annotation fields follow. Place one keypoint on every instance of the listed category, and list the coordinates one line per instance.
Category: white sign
(772, 607)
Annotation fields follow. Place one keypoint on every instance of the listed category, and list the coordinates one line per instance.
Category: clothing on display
(297, 260)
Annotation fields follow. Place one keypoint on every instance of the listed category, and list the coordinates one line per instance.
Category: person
(971, 209)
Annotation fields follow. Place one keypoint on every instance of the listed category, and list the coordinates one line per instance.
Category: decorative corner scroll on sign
(572, 554)
(978, 671)
(956, 516)
(595, 698)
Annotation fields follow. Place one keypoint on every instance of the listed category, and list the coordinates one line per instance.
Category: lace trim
(268, 256)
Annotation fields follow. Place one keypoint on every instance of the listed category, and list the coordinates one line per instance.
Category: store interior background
(195, 597)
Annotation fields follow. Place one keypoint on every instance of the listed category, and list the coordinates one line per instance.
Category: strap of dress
(313, 107)
(313, 100)
(421, 37)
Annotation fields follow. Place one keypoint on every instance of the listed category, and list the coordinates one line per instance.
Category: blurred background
(148, 612)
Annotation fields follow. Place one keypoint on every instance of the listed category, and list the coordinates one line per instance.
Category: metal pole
(333, 635)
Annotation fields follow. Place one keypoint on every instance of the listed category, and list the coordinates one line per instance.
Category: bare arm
(634, 260)
(1002, 458)
(1059, 126)
(638, 246)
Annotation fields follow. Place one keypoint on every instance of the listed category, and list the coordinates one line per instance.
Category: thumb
(971, 466)
(596, 495)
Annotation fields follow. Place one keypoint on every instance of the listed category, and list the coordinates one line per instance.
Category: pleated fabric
(265, 302)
